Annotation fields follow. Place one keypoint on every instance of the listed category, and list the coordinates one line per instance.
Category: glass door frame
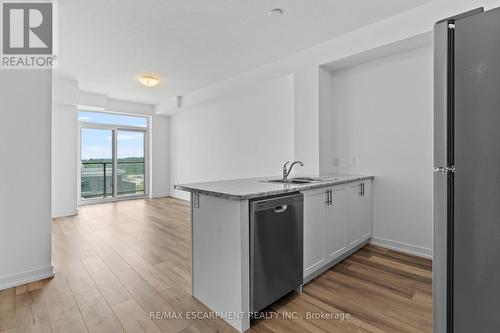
(114, 130)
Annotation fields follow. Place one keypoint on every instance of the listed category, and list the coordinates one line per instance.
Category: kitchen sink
(298, 180)
(288, 181)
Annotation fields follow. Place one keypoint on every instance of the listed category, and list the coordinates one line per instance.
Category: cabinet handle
(362, 189)
(329, 200)
(331, 197)
(196, 200)
(280, 209)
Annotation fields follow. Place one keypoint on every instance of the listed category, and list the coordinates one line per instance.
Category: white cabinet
(358, 212)
(336, 219)
(365, 229)
(314, 225)
(324, 226)
(353, 212)
(335, 223)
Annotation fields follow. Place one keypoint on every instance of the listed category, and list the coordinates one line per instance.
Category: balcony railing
(97, 179)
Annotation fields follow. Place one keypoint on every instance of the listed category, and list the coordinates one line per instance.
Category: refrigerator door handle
(445, 169)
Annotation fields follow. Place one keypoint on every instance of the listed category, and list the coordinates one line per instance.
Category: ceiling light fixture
(276, 12)
(148, 80)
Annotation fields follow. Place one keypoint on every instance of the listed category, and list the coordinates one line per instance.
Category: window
(130, 162)
(97, 163)
(113, 156)
(111, 119)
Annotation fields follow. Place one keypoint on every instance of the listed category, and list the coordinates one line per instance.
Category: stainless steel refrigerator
(466, 267)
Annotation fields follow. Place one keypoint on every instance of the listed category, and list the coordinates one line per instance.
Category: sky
(111, 118)
(97, 143)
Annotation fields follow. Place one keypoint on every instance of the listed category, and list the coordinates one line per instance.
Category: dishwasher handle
(276, 203)
(280, 209)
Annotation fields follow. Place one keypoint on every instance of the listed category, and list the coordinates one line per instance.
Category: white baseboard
(402, 247)
(65, 214)
(26, 277)
(160, 195)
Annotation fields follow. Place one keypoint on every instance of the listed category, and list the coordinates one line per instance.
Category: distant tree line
(125, 164)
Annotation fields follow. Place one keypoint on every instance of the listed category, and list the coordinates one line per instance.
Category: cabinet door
(354, 214)
(365, 211)
(336, 216)
(314, 217)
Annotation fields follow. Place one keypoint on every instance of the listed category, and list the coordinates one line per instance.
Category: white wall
(64, 147)
(306, 118)
(304, 65)
(25, 190)
(380, 123)
(305, 68)
(160, 175)
(249, 133)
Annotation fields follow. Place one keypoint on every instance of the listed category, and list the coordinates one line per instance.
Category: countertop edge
(301, 188)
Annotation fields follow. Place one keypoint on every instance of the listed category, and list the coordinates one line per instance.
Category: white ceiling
(194, 43)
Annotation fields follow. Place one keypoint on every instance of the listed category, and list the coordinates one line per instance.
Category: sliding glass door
(96, 163)
(130, 171)
(113, 163)
(113, 154)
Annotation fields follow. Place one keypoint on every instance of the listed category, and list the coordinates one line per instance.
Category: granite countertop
(250, 188)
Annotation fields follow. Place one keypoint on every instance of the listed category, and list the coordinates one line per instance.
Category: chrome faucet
(286, 171)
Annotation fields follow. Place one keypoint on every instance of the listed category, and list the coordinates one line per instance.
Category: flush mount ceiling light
(276, 12)
(148, 80)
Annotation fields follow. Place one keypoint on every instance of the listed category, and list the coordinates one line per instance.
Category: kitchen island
(221, 233)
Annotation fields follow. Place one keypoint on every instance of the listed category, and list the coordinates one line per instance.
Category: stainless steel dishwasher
(276, 248)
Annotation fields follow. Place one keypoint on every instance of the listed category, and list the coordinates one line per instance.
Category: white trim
(110, 199)
(150, 159)
(84, 124)
(159, 195)
(65, 214)
(403, 247)
(26, 277)
(104, 110)
(80, 107)
(78, 163)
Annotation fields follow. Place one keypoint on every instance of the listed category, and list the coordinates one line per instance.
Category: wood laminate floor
(117, 262)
